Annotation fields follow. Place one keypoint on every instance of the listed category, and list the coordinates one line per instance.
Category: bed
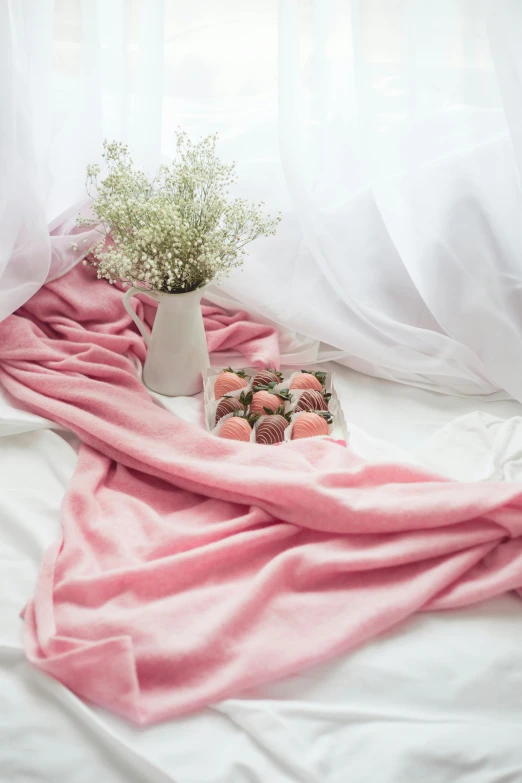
(437, 700)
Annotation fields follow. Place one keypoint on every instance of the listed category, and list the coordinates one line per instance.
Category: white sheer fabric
(389, 132)
(24, 240)
(41, 166)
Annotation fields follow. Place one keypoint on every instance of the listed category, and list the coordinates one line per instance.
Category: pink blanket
(191, 568)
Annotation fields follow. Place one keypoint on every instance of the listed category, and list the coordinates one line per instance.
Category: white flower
(177, 232)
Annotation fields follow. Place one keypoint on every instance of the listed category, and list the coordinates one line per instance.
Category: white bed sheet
(437, 700)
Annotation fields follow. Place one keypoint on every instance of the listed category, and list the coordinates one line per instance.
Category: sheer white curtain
(400, 161)
(389, 132)
(24, 238)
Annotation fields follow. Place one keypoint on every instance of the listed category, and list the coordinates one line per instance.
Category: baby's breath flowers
(177, 232)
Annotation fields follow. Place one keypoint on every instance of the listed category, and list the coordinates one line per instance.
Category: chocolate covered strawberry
(264, 377)
(309, 380)
(231, 404)
(238, 427)
(229, 380)
(272, 428)
(312, 400)
(308, 425)
(266, 400)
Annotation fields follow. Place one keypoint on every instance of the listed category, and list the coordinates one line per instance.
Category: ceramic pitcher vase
(177, 354)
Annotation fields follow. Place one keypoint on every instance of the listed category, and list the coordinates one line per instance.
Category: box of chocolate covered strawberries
(271, 407)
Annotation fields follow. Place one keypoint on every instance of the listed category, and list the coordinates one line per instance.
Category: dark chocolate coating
(311, 400)
(271, 430)
(228, 405)
(264, 377)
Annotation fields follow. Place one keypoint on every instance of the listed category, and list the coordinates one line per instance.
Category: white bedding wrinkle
(476, 447)
(438, 700)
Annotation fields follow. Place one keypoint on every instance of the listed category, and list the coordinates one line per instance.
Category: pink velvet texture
(191, 568)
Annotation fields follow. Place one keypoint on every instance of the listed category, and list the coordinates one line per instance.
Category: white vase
(177, 354)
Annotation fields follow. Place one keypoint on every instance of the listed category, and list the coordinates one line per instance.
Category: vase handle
(132, 312)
